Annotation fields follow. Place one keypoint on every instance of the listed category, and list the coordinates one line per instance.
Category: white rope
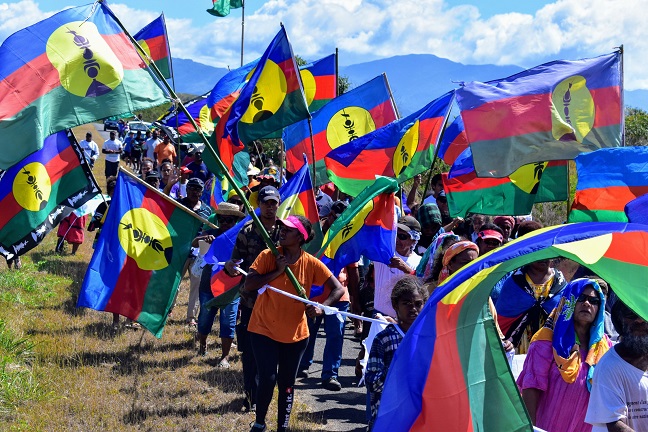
(328, 310)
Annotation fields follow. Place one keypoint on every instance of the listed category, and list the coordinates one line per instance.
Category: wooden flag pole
(167, 198)
(172, 79)
(264, 234)
(242, 28)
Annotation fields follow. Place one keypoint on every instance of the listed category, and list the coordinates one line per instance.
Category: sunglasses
(402, 236)
(593, 300)
(227, 219)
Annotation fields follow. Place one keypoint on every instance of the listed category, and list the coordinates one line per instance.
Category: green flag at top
(222, 8)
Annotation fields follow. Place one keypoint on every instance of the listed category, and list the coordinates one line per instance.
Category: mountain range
(415, 79)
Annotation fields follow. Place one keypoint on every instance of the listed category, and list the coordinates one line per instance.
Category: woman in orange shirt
(278, 327)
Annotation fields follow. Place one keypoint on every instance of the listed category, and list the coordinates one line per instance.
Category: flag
(551, 112)
(450, 372)
(608, 179)
(344, 119)
(136, 266)
(227, 89)
(402, 149)
(637, 210)
(298, 198)
(272, 98)
(367, 228)
(40, 191)
(512, 195)
(65, 71)
(320, 86)
(213, 192)
(221, 8)
(320, 82)
(200, 112)
(454, 141)
(154, 41)
(90, 206)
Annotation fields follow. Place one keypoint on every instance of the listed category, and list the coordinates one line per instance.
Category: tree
(636, 127)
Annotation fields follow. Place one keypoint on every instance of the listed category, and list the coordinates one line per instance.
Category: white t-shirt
(90, 149)
(113, 145)
(385, 277)
(619, 392)
(151, 143)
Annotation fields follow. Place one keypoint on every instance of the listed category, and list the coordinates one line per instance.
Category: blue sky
(520, 32)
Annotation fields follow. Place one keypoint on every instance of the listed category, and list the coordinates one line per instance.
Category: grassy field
(63, 368)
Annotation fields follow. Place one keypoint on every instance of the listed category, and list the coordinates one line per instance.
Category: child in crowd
(408, 298)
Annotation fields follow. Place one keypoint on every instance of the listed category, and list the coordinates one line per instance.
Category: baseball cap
(185, 170)
(196, 182)
(269, 192)
(490, 234)
(408, 223)
(324, 203)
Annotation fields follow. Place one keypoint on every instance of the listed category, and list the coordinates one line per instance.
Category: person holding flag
(278, 327)
(249, 244)
(227, 215)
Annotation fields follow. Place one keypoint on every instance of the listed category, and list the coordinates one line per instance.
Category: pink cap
(294, 222)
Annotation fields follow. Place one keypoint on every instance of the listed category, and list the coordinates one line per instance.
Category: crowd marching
(591, 353)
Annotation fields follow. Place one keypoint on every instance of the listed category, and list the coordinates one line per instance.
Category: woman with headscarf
(457, 256)
(556, 379)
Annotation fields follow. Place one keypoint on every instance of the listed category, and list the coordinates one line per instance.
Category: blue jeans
(334, 330)
(227, 317)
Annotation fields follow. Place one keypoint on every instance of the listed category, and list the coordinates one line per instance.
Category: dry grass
(64, 369)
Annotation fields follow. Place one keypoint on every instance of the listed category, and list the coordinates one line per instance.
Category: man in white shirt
(151, 144)
(619, 396)
(112, 148)
(90, 149)
(404, 262)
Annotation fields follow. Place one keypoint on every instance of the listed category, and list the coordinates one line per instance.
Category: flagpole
(436, 150)
(167, 198)
(172, 80)
(312, 141)
(242, 28)
(391, 96)
(622, 101)
(337, 74)
(219, 162)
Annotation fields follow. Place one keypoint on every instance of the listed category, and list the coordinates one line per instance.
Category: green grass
(27, 287)
(19, 384)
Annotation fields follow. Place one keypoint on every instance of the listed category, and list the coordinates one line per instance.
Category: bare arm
(530, 397)
(619, 426)
(411, 196)
(353, 284)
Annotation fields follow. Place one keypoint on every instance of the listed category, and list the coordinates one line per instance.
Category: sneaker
(224, 364)
(202, 350)
(302, 373)
(332, 384)
(256, 427)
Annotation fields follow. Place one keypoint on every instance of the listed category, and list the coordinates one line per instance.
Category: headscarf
(559, 329)
(452, 252)
(500, 219)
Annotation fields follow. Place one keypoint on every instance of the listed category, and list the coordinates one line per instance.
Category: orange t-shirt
(279, 317)
(165, 151)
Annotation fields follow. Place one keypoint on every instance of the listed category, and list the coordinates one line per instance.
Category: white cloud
(369, 29)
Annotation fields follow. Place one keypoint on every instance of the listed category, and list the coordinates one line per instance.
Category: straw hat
(228, 209)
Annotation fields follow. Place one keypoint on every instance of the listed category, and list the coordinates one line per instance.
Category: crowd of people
(586, 364)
